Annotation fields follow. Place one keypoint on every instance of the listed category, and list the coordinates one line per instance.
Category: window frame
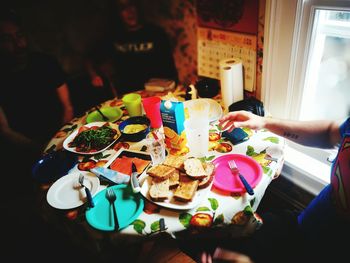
(288, 29)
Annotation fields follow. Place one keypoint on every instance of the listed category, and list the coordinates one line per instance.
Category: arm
(96, 80)
(322, 134)
(63, 95)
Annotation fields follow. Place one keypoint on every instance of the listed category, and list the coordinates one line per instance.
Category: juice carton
(173, 117)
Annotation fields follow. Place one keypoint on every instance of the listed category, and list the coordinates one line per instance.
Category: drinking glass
(156, 147)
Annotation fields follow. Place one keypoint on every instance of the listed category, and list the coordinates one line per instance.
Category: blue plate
(53, 166)
(128, 205)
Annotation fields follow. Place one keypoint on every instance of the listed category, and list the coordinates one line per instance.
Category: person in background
(315, 234)
(134, 52)
(35, 100)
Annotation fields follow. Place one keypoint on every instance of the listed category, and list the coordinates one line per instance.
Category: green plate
(112, 113)
(128, 206)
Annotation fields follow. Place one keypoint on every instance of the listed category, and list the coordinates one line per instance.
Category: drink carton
(173, 117)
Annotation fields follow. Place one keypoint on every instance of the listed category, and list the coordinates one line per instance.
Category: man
(35, 101)
(135, 52)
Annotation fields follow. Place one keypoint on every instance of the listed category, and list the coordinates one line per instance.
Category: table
(236, 212)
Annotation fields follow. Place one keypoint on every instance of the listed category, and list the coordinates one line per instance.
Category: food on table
(194, 168)
(179, 178)
(134, 128)
(187, 189)
(93, 139)
(209, 169)
(123, 164)
(161, 172)
(159, 190)
(175, 161)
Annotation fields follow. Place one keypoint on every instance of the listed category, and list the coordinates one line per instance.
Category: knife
(110, 175)
(135, 185)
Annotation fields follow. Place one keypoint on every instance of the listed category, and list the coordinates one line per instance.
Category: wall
(68, 29)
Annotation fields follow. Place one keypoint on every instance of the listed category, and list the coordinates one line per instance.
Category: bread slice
(161, 172)
(194, 168)
(209, 169)
(175, 161)
(174, 179)
(186, 190)
(159, 190)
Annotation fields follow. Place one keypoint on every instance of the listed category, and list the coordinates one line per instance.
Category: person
(35, 101)
(135, 52)
(316, 234)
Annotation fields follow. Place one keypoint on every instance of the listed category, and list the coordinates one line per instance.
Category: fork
(87, 191)
(111, 197)
(234, 169)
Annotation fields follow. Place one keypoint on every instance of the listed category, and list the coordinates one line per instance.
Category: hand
(238, 119)
(97, 81)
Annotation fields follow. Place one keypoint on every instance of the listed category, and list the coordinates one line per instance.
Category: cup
(156, 147)
(132, 102)
(198, 108)
(197, 134)
(151, 105)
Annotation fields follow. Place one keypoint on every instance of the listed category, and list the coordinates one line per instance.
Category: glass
(132, 102)
(197, 134)
(156, 147)
(151, 105)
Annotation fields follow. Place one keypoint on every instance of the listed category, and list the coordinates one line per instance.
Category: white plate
(145, 181)
(215, 110)
(75, 133)
(64, 193)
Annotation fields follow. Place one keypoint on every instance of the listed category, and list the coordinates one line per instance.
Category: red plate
(226, 181)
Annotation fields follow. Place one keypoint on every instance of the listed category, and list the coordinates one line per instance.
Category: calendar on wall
(214, 45)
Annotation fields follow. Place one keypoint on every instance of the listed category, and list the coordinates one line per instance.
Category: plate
(75, 132)
(64, 194)
(112, 113)
(226, 181)
(146, 180)
(215, 110)
(128, 205)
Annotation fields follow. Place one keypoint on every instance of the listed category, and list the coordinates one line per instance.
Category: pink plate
(226, 181)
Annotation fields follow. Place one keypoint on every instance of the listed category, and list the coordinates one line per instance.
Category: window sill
(304, 171)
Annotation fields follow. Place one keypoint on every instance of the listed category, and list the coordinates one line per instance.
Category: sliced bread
(186, 190)
(175, 161)
(159, 190)
(194, 168)
(174, 179)
(209, 169)
(161, 172)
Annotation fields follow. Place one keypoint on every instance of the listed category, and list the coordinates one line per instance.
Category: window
(307, 74)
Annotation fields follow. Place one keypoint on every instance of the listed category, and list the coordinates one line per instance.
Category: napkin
(237, 135)
(110, 175)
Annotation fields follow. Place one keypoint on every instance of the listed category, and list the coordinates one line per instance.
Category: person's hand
(68, 114)
(238, 119)
(97, 81)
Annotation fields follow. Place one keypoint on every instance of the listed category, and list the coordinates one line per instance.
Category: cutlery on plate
(234, 170)
(100, 112)
(111, 197)
(135, 185)
(87, 191)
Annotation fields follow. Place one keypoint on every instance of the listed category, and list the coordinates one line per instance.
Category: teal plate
(128, 206)
(112, 113)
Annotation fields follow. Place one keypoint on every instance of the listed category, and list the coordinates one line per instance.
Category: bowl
(137, 136)
(112, 113)
(53, 166)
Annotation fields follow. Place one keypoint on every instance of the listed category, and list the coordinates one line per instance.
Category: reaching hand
(238, 119)
(97, 81)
